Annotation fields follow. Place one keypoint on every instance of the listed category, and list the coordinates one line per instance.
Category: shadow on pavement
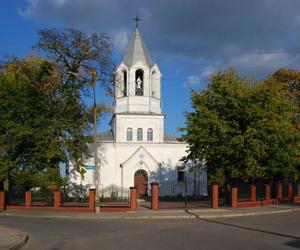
(295, 243)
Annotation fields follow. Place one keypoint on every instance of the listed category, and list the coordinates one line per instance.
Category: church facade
(136, 151)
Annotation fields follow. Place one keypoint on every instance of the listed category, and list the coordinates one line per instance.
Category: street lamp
(97, 168)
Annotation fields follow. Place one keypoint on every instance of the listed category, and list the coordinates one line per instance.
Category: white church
(136, 151)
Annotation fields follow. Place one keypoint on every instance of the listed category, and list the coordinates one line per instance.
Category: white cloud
(33, 6)
(207, 72)
(192, 81)
(258, 65)
(30, 9)
(120, 40)
(59, 3)
(239, 27)
(203, 77)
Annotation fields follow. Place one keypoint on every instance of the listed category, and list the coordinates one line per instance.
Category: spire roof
(137, 52)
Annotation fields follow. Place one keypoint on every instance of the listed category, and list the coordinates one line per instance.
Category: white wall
(156, 122)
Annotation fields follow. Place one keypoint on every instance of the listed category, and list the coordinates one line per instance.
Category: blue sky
(188, 39)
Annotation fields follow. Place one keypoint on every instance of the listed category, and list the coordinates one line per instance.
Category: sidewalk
(12, 238)
(160, 214)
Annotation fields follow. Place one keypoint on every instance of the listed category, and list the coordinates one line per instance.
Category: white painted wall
(120, 159)
(156, 122)
(159, 160)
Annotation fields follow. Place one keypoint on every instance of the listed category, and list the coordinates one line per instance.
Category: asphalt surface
(11, 238)
(277, 231)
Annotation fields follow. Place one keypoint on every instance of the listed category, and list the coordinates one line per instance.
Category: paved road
(281, 231)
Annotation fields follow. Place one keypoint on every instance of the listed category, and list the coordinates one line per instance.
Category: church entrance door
(141, 182)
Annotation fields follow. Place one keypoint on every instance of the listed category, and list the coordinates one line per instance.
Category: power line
(254, 52)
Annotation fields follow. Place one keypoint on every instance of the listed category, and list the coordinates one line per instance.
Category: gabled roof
(141, 154)
(137, 51)
(172, 139)
(106, 136)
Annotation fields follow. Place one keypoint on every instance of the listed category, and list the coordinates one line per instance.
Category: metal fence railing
(183, 194)
(114, 194)
(42, 197)
(16, 195)
(71, 198)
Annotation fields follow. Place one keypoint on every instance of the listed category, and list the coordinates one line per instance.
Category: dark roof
(106, 136)
(168, 137)
(137, 51)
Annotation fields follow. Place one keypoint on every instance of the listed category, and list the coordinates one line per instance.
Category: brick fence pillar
(2, 200)
(28, 198)
(279, 191)
(133, 198)
(215, 195)
(267, 192)
(92, 196)
(253, 192)
(155, 195)
(57, 198)
(290, 190)
(234, 196)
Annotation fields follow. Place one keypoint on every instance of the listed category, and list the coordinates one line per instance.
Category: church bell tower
(137, 111)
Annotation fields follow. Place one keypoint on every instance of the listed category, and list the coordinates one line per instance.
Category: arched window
(150, 134)
(124, 83)
(155, 81)
(139, 82)
(139, 134)
(129, 134)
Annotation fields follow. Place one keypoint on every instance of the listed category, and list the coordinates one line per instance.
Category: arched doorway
(141, 182)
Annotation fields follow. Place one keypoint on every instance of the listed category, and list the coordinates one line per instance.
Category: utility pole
(97, 170)
(95, 111)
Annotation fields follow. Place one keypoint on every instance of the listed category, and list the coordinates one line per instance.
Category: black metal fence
(74, 198)
(42, 197)
(260, 191)
(183, 194)
(113, 194)
(244, 191)
(16, 195)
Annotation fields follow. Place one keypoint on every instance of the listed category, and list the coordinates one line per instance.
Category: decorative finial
(137, 20)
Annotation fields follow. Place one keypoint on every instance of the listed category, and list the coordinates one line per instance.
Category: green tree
(82, 58)
(242, 132)
(40, 125)
(85, 63)
(44, 116)
(290, 79)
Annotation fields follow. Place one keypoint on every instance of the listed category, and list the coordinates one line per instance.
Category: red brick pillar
(215, 195)
(133, 198)
(253, 192)
(279, 191)
(28, 198)
(290, 190)
(92, 196)
(155, 195)
(2, 200)
(267, 192)
(57, 198)
(234, 196)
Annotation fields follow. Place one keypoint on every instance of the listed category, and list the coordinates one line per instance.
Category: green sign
(89, 167)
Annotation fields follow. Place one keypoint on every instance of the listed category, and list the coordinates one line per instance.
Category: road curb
(187, 215)
(20, 244)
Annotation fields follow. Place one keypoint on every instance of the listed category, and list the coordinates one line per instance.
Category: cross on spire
(137, 20)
